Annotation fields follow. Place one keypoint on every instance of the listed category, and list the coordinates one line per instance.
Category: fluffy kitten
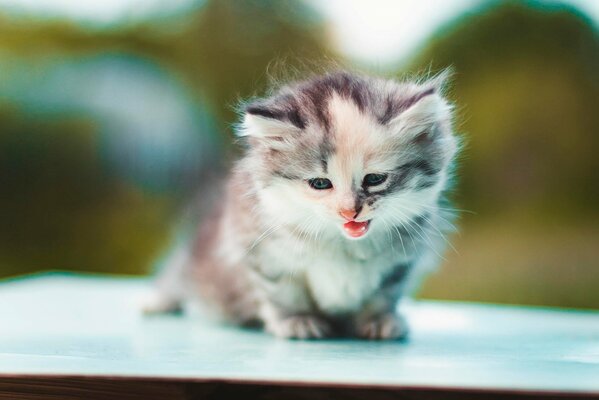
(332, 213)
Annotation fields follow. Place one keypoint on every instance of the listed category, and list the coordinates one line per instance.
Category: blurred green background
(112, 119)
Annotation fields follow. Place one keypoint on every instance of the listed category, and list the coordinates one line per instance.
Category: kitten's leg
(379, 319)
(294, 325)
(287, 312)
(384, 326)
(157, 302)
(168, 294)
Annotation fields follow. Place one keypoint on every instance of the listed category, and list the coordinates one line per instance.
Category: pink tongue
(356, 229)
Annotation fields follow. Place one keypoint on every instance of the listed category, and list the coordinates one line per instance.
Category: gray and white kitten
(331, 215)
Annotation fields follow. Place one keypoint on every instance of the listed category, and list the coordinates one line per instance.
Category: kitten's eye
(320, 183)
(374, 179)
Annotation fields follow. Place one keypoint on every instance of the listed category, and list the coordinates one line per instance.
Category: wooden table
(71, 336)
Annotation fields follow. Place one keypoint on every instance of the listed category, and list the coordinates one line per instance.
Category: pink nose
(348, 214)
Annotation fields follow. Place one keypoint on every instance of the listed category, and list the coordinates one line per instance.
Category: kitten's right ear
(425, 108)
(265, 122)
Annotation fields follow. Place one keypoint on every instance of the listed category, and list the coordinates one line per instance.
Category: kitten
(331, 215)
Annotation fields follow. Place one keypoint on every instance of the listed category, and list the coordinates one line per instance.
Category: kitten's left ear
(423, 110)
(267, 122)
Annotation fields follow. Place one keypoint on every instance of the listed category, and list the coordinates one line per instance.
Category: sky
(376, 32)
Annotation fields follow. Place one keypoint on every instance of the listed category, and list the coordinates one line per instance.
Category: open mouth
(356, 229)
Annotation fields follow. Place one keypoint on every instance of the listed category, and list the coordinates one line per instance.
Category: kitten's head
(346, 155)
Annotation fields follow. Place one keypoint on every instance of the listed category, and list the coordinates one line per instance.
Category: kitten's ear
(264, 122)
(425, 109)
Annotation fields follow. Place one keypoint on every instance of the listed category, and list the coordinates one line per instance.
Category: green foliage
(60, 209)
(527, 84)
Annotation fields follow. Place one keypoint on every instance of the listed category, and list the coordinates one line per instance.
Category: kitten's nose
(348, 214)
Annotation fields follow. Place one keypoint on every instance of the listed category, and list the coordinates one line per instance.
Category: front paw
(299, 327)
(388, 326)
(156, 302)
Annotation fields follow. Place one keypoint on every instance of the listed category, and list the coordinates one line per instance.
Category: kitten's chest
(339, 279)
(340, 282)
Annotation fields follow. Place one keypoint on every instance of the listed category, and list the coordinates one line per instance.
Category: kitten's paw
(156, 303)
(300, 327)
(389, 326)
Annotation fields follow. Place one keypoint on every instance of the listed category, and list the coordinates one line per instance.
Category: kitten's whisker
(430, 223)
(451, 209)
(405, 253)
(407, 231)
(407, 221)
(295, 231)
(434, 226)
(309, 229)
(448, 222)
(389, 234)
(319, 225)
(269, 231)
(424, 236)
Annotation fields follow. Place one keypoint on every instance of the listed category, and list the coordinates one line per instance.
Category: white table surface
(60, 324)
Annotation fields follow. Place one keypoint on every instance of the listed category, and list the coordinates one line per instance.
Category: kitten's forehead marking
(318, 93)
(326, 149)
(354, 135)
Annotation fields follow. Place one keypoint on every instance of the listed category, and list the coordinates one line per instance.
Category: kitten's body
(283, 252)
